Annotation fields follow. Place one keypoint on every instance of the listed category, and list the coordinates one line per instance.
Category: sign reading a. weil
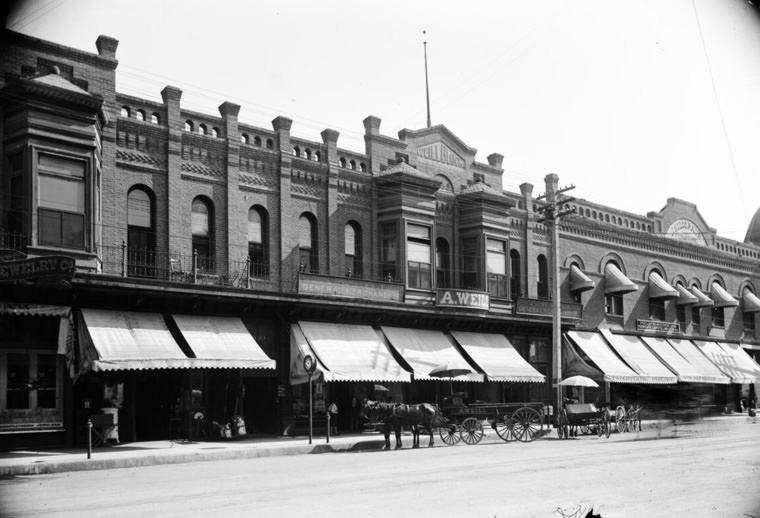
(463, 299)
(38, 268)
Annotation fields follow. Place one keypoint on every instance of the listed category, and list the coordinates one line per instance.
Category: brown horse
(396, 415)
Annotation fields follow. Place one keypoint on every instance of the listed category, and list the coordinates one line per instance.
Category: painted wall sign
(657, 325)
(440, 152)
(463, 299)
(38, 268)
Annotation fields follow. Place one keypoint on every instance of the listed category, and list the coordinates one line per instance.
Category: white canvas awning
(640, 359)
(597, 348)
(685, 371)
(496, 357)
(707, 369)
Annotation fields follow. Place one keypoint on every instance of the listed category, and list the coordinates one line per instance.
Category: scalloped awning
(721, 298)
(579, 281)
(496, 357)
(616, 282)
(660, 289)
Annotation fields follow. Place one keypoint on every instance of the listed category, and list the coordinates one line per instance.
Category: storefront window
(31, 381)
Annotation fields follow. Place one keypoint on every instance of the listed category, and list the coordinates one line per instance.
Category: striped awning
(660, 289)
(685, 297)
(707, 369)
(597, 348)
(685, 371)
(616, 282)
(579, 281)
(496, 357)
(721, 298)
(633, 352)
(750, 302)
(344, 352)
(703, 301)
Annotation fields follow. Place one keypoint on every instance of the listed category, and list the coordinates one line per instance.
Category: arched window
(342, 162)
(202, 130)
(257, 141)
(353, 245)
(363, 167)
(215, 132)
(296, 151)
(125, 111)
(543, 277)
(155, 118)
(203, 233)
(442, 263)
(307, 154)
(244, 138)
(514, 274)
(353, 165)
(258, 242)
(270, 143)
(317, 156)
(141, 233)
(140, 115)
(308, 247)
(189, 126)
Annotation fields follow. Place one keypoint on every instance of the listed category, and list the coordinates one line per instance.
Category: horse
(396, 415)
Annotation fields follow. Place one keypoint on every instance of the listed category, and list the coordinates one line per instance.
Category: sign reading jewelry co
(463, 299)
(38, 268)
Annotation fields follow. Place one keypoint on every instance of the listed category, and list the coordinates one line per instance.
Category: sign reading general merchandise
(463, 299)
(38, 268)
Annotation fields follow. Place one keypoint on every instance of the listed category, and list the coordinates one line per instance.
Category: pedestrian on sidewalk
(333, 411)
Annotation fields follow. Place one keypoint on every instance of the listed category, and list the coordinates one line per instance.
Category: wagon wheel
(450, 434)
(528, 423)
(620, 420)
(471, 430)
(505, 428)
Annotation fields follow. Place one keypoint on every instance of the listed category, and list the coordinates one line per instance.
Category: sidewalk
(137, 454)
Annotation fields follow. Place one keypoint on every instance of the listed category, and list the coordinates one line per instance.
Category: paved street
(707, 470)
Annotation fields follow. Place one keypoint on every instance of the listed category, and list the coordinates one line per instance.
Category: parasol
(448, 370)
(578, 381)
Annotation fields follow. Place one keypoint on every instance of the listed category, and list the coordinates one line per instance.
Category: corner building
(171, 270)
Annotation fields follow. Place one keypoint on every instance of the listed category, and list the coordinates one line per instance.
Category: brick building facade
(211, 255)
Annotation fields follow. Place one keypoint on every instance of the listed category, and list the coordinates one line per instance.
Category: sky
(631, 103)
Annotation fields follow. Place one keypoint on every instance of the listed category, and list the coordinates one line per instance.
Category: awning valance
(685, 371)
(640, 359)
(703, 301)
(707, 369)
(721, 298)
(221, 342)
(685, 297)
(425, 349)
(732, 360)
(659, 289)
(496, 357)
(616, 282)
(346, 352)
(127, 340)
(579, 281)
(596, 348)
(750, 302)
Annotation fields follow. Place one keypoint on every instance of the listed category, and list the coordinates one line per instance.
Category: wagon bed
(574, 415)
(511, 421)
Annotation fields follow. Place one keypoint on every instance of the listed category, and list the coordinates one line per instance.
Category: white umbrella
(447, 370)
(578, 381)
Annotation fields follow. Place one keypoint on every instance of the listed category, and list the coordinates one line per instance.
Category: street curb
(94, 464)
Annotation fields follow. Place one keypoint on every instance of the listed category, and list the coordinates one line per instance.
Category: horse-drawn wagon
(583, 416)
(511, 421)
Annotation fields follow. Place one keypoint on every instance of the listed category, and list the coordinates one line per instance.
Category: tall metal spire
(427, 88)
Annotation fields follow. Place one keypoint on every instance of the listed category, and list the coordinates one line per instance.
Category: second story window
(696, 315)
(469, 272)
(389, 252)
(418, 257)
(62, 201)
(141, 236)
(202, 229)
(718, 317)
(442, 263)
(496, 267)
(258, 243)
(542, 289)
(613, 304)
(308, 247)
(514, 274)
(352, 243)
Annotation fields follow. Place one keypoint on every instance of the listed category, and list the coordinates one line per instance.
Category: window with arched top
(307, 154)
(363, 167)
(202, 225)
(215, 132)
(308, 246)
(270, 143)
(296, 151)
(352, 239)
(125, 111)
(140, 115)
(342, 162)
(514, 274)
(244, 138)
(258, 242)
(353, 165)
(257, 141)
(317, 156)
(155, 118)
(202, 130)
(543, 277)
(141, 233)
(189, 126)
